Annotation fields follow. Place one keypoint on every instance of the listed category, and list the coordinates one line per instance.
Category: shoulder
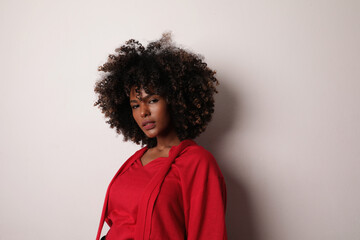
(197, 153)
(196, 158)
(132, 158)
(136, 155)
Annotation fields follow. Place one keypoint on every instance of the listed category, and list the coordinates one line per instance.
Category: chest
(151, 155)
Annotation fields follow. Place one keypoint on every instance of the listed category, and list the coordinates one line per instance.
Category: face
(150, 112)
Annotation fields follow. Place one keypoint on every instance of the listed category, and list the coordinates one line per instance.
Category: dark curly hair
(162, 68)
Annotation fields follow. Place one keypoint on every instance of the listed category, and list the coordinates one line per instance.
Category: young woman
(161, 96)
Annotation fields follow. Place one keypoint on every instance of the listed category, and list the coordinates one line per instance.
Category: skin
(153, 108)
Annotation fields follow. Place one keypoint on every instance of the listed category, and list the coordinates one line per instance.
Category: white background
(285, 132)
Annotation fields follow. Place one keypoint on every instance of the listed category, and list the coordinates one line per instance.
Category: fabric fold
(147, 201)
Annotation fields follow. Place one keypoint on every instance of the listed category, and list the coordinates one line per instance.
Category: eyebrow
(141, 99)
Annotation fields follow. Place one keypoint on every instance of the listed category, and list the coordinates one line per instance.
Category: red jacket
(203, 194)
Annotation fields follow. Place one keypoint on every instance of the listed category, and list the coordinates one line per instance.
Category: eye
(134, 106)
(154, 100)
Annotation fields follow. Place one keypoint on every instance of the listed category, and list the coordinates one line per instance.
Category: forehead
(136, 92)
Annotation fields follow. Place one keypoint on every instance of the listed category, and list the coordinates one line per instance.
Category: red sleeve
(204, 198)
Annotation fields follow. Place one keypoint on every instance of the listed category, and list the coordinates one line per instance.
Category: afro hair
(163, 68)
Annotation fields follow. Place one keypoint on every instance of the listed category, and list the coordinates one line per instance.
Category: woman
(161, 96)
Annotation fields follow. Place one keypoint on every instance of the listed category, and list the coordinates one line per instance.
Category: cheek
(136, 118)
(165, 115)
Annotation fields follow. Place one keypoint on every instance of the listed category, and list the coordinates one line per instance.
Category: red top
(124, 197)
(185, 198)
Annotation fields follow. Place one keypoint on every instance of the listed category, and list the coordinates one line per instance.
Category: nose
(144, 111)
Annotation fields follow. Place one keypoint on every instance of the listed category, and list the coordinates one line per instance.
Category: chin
(150, 135)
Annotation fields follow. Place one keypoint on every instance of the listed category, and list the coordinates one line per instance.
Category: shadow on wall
(239, 214)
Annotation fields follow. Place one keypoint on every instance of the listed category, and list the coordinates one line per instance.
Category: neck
(164, 142)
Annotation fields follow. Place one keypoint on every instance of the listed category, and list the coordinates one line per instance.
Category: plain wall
(285, 131)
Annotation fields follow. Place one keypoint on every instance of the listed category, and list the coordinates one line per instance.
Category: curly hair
(162, 68)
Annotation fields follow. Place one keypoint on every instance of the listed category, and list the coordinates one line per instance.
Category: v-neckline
(154, 160)
(151, 160)
(170, 151)
(146, 149)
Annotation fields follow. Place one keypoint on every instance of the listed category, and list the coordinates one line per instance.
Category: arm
(205, 200)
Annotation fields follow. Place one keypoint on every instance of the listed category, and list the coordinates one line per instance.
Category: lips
(148, 125)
